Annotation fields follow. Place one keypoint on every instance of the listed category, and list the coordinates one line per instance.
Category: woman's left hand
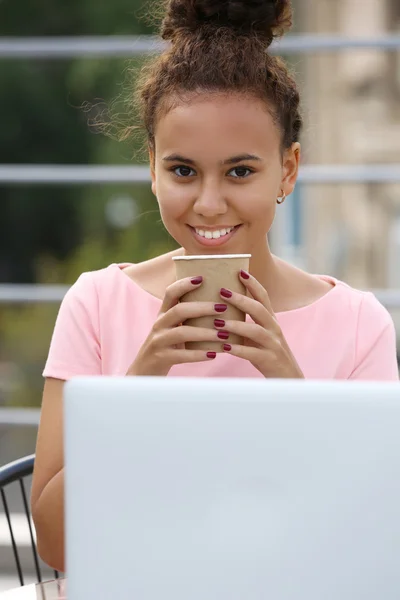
(265, 345)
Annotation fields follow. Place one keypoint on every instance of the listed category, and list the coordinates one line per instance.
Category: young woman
(223, 125)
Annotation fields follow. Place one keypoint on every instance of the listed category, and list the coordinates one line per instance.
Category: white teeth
(209, 235)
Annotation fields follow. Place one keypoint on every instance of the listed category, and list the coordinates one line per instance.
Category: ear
(153, 171)
(290, 170)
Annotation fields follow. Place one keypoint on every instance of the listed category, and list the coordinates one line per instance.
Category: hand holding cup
(218, 271)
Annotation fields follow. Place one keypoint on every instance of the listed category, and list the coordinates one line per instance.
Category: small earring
(281, 199)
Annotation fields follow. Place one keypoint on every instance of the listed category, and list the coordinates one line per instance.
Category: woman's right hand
(165, 344)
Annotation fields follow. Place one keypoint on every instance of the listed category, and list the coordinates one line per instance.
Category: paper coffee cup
(218, 271)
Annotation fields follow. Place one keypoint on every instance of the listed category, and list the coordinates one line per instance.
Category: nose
(210, 202)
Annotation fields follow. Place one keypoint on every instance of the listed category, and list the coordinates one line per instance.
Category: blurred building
(352, 103)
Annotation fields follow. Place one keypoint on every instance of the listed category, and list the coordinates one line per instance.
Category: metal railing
(128, 46)
(106, 174)
(19, 416)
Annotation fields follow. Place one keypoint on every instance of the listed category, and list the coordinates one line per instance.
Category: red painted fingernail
(227, 347)
(220, 308)
(211, 354)
(219, 323)
(223, 335)
(225, 293)
(244, 275)
(196, 280)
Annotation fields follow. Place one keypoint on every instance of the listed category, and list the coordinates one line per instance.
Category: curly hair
(220, 46)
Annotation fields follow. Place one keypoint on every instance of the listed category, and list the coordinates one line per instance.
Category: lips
(213, 241)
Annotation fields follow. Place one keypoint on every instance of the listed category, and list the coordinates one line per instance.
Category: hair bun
(265, 18)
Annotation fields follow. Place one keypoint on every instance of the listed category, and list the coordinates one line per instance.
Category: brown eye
(241, 172)
(182, 171)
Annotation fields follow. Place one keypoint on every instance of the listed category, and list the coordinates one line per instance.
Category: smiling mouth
(214, 234)
(213, 237)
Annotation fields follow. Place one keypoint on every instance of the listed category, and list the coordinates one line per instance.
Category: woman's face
(217, 172)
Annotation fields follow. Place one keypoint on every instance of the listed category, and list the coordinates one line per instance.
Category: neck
(263, 266)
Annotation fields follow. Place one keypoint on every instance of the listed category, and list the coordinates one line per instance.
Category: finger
(246, 352)
(266, 361)
(250, 331)
(255, 288)
(185, 333)
(255, 309)
(188, 310)
(179, 288)
(179, 357)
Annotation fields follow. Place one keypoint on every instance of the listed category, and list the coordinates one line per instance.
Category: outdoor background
(52, 233)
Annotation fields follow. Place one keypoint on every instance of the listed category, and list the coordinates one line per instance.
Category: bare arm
(47, 498)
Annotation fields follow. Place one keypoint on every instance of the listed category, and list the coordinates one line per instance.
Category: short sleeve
(376, 357)
(75, 347)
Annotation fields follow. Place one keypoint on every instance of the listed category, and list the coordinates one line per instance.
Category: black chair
(17, 471)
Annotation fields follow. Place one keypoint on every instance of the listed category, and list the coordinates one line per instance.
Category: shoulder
(80, 304)
(360, 304)
(363, 318)
(108, 294)
(90, 284)
(359, 329)
(353, 309)
(335, 306)
(86, 298)
(375, 352)
(75, 347)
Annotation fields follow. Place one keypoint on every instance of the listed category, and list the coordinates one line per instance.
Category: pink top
(105, 317)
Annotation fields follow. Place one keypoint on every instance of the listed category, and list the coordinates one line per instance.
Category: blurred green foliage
(51, 234)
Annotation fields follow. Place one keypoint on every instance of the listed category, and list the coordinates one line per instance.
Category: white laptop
(240, 489)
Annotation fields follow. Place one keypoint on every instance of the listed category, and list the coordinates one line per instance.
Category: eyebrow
(229, 161)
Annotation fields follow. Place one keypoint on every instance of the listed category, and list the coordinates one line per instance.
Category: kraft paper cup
(218, 271)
